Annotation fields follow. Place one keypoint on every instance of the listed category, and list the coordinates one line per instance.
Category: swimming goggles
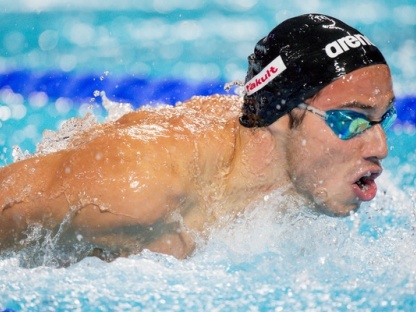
(346, 124)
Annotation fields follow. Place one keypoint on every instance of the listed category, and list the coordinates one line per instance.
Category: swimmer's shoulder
(214, 105)
(199, 109)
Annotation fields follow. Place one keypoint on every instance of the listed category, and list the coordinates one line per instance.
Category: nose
(375, 143)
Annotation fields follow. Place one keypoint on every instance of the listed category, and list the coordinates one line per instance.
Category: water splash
(264, 260)
(53, 141)
(115, 109)
(240, 87)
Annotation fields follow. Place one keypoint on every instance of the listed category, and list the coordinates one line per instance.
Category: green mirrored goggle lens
(346, 123)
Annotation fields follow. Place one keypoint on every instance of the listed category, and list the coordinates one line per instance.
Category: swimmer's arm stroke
(110, 192)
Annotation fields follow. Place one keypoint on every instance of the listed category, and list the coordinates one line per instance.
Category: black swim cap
(298, 58)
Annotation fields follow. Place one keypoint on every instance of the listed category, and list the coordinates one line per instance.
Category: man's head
(330, 76)
(336, 174)
(298, 58)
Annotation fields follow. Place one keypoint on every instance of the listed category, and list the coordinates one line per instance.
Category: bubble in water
(5, 113)
(38, 99)
(106, 73)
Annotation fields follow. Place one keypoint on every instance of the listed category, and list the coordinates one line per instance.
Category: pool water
(56, 58)
(262, 262)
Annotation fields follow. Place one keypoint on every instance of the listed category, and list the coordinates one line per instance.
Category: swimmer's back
(128, 174)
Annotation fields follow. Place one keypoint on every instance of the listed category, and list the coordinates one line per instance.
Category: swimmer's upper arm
(122, 182)
(28, 197)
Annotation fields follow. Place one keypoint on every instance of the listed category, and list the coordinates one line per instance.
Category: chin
(337, 210)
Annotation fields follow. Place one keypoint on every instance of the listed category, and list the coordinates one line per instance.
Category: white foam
(53, 141)
(263, 260)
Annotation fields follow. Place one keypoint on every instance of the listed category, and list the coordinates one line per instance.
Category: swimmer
(317, 101)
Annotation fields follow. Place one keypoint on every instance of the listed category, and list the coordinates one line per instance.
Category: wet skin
(153, 179)
(161, 179)
(325, 168)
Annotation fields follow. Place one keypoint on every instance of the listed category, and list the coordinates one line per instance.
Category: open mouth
(365, 187)
(364, 182)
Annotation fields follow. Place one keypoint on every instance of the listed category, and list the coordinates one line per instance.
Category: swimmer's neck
(259, 162)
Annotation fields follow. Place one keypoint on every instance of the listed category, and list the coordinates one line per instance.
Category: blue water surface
(54, 56)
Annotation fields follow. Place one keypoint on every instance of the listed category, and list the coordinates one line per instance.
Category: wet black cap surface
(298, 58)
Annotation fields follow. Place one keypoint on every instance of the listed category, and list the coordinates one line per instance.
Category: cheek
(302, 159)
(315, 157)
(306, 163)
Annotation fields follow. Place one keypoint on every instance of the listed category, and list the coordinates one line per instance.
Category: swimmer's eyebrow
(355, 104)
